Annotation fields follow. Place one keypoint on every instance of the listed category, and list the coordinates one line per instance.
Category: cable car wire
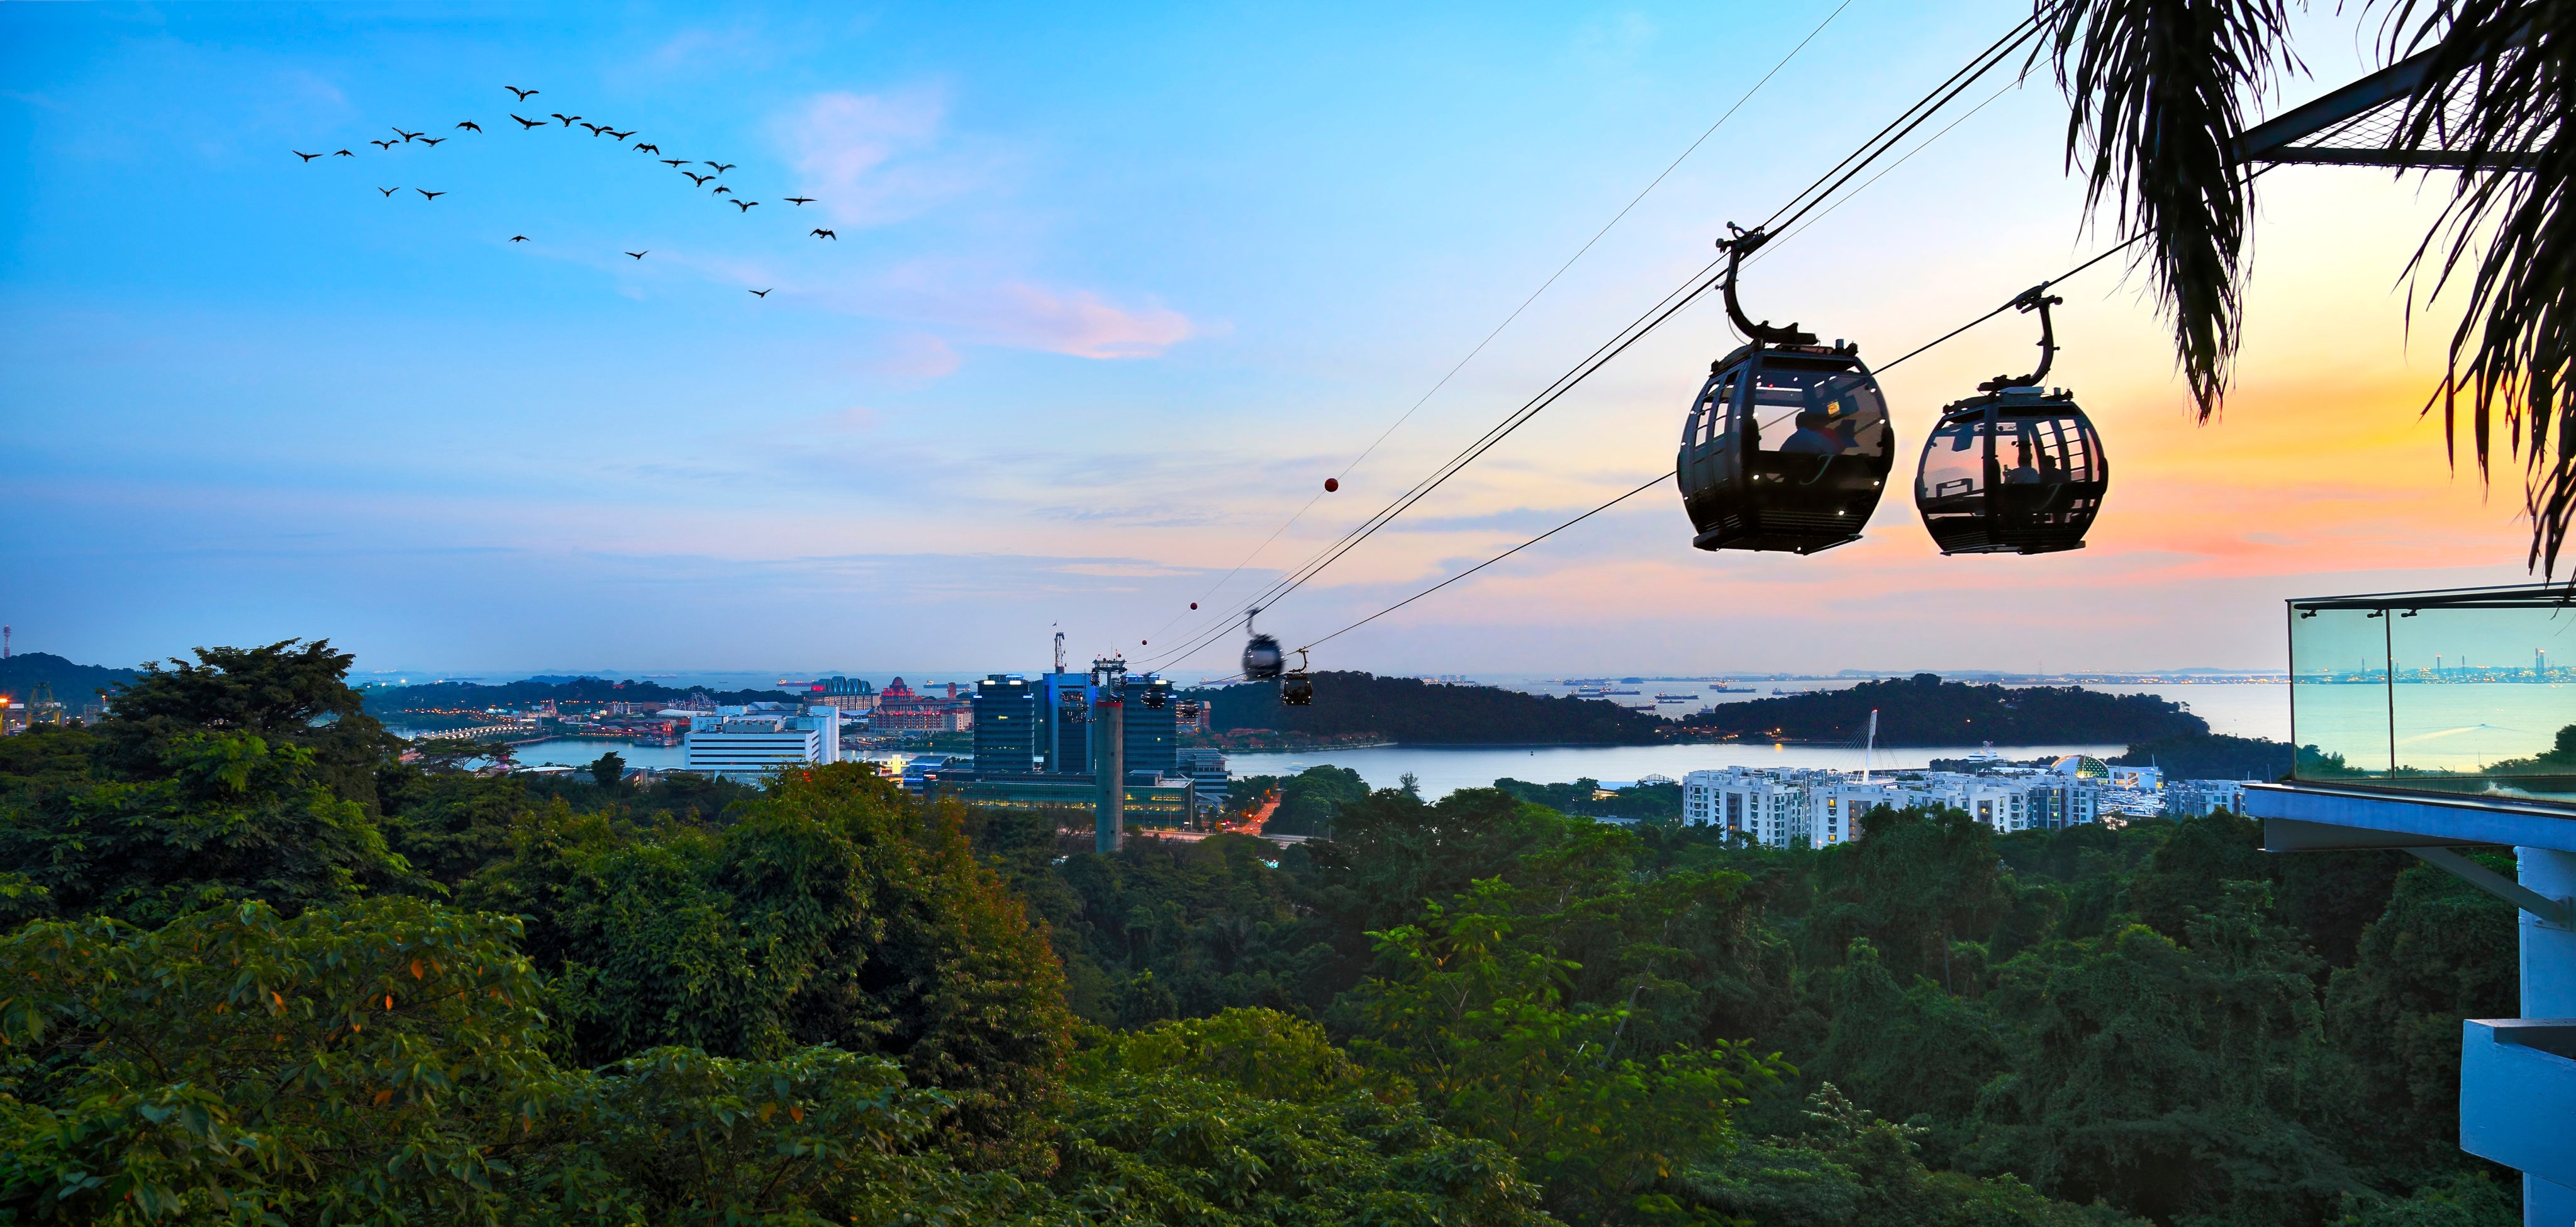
(1804, 202)
(1552, 278)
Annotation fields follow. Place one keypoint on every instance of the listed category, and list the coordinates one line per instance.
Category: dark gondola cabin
(2017, 469)
(1296, 689)
(1788, 446)
(1262, 658)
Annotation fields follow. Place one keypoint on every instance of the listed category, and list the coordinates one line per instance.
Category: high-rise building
(1064, 722)
(1152, 728)
(1006, 724)
(1208, 768)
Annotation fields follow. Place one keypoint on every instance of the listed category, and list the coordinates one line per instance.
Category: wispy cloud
(853, 151)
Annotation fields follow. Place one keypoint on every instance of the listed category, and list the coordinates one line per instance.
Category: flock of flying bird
(717, 169)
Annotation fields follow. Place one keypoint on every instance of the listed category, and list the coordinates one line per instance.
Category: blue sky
(1112, 292)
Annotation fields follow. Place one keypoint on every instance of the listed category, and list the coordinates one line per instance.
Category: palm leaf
(2500, 88)
(2158, 90)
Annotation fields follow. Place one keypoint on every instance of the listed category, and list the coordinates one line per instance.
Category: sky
(1111, 291)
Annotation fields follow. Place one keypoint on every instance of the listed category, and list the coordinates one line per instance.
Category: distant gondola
(1788, 446)
(1295, 688)
(2016, 470)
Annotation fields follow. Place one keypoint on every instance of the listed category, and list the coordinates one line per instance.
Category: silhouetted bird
(826, 234)
(722, 167)
(595, 129)
(306, 156)
(569, 120)
(471, 126)
(641, 147)
(762, 293)
(525, 124)
(389, 191)
(344, 154)
(405, 135)
(623, 135)
(721, 190)
(640, 254)
(694, 177)
(384, 144)
(800, 201)
(674, 161)
(518, 238)
(427, 194)
(432, 141)
(524, 94)
(744, 205)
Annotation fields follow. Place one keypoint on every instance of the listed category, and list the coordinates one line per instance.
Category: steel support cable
(1913, 116)
(1493, 435)
(1637, 330)
(1833, 180)
(1552, 278)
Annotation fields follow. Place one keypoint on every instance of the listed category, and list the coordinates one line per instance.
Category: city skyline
(1109, 298)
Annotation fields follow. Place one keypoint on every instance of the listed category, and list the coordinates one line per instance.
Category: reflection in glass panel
(2484, 699)
(2339, 692)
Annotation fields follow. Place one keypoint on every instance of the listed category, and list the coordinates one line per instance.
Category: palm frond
(2158, 90)
(2500, 88)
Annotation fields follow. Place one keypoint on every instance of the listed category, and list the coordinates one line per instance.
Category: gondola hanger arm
(2036, 298)
(1739, 244)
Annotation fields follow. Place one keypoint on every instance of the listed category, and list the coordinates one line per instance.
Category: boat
(1675, 698)
(1723, 688)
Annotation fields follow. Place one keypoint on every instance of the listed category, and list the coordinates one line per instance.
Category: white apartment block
(739, 743)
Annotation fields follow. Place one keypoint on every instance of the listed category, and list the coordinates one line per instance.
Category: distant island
(386, 701)
(71, 685)
(1922, 710)
(1365, 707)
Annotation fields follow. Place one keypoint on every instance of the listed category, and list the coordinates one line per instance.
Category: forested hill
(438, 696)
(1924, 710)
(1418, 713)
(72, 685)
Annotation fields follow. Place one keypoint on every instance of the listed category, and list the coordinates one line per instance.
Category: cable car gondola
(1262, 659)
(1788, 446)
(1295, 688)
(2016, 470)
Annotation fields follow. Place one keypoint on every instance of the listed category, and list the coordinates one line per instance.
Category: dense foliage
(250, 975)
(1924, 710)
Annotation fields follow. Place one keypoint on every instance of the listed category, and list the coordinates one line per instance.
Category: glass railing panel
(2339, 692)
(2485, 699)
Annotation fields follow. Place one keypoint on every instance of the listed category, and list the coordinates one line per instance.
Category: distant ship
(1723, 688)
(1675, 698)
(1611, 692)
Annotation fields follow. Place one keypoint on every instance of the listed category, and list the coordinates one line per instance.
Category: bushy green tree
(835, 910)
(286, 693)
(1480, 1024)
(221, 817)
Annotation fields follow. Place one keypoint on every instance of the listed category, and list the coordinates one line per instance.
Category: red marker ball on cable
(1331, 484)
(1194, 604)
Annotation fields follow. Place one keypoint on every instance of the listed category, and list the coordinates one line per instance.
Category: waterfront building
(2193, 798)
(900, 710)
(850, 694)
(744, 744)
(1767, 806)
(1170, 802)
(1006, 724)
(1207, 768)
